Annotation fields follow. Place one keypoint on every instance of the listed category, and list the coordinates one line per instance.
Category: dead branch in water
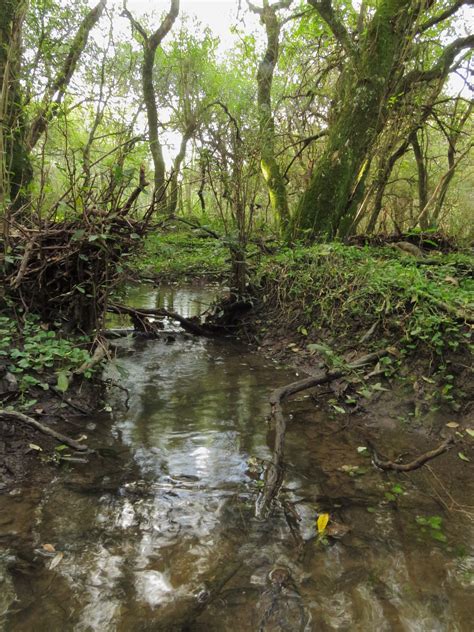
(9, 414)
(416, 463)
(274, 472)
(188, 324)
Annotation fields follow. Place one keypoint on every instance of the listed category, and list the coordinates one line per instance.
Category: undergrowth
(180, 255)
(364, 297)
(36, 357)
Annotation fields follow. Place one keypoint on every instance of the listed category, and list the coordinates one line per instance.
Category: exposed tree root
(274, 471)
(8, 414)
(412, 465)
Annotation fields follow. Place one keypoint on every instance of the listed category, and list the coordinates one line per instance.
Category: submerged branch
(9, 414)
(416, 463)
(274, 472)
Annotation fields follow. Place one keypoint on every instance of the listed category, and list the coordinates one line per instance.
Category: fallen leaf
(463, 457)
(452, 424)
(48, 547)
(322, 522)
(55, 561)
(470, 432)
(362, 449)
(33, 446)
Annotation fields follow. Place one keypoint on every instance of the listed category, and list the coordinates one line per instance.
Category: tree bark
(269, 166)
(57, 89)
(15, 166)
(422, 179)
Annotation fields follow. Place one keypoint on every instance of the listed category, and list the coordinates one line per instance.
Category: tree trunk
(422, 180)
(150, 45)
(328, 206)
(270, 169)
(15, 165)
(385, 168)
(173, 195)
(57, 89)
(370, 86)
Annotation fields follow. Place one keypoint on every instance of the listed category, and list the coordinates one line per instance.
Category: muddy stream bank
(158, 532)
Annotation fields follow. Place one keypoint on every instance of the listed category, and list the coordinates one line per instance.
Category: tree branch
(58, 87)
(326, 11)
(444, 15)
(165, 27)
(442, 67)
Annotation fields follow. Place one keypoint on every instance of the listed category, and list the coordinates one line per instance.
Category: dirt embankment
(321, 308)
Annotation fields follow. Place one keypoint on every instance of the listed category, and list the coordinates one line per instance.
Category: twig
(44, 429)
(416, 463)
(274, 471)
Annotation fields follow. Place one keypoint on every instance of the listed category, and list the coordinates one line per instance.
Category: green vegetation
(38, 357)
(329, 299)
(181, 255)
(339, 288)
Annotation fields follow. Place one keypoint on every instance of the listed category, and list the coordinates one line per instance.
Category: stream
(158, 531)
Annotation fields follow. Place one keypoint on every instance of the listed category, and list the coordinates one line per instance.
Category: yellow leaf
(322, 522)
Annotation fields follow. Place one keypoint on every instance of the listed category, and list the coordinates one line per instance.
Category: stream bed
(158, 532)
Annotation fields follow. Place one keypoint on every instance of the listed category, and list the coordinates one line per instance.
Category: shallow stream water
(158, 531)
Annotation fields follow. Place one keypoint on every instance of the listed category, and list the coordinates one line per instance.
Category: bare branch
(442, 67)
(444, 15)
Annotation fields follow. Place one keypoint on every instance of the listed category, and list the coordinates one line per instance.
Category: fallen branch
(186, 323)
(8, 414)
(274, 471)
(416, 463)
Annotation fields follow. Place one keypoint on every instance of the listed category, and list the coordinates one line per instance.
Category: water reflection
(163, 537)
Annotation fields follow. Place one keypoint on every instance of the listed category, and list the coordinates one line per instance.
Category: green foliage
(339, 293)
(182, 254)
(33, 352)
(432, 526)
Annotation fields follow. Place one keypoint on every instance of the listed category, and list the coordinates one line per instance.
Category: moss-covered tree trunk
(150, 45)
(328, 206)
(15, 164)
(270, 168)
